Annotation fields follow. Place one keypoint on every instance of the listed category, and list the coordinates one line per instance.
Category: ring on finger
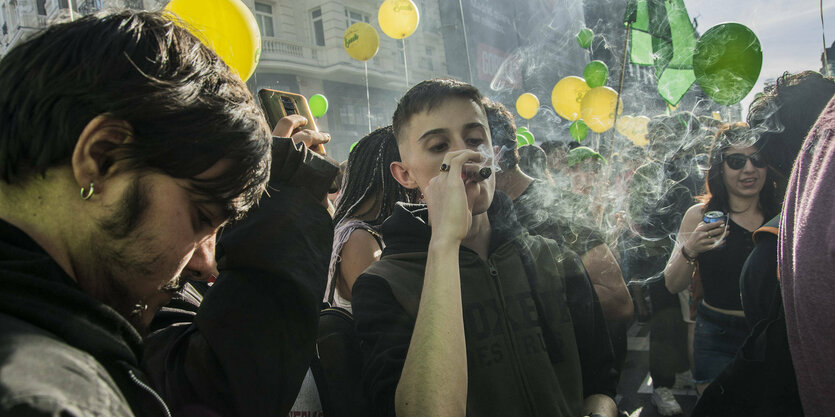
(444, 167)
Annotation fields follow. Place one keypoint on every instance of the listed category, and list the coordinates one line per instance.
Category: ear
(402, 176)
(93, 157)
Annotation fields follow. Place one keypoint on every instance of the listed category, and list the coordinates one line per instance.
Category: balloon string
(405, 63)
(466, 45)
(367, 95)
(72, 17)
(620, 87)
(823, 35)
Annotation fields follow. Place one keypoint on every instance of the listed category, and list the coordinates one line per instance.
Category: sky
(789, 31)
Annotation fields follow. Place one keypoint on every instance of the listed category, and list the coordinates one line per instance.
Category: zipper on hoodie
(494, 273)
(150, 391)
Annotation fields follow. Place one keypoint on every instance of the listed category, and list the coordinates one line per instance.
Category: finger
(716, 225)
(457, 160)
(286, 125)
(311, 138)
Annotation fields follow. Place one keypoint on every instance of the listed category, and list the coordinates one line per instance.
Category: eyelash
(441, 147)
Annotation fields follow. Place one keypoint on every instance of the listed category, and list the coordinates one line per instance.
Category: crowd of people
(163, 251)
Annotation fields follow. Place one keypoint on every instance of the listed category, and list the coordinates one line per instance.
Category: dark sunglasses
(737, 161)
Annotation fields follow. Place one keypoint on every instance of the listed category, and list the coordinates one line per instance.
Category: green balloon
(581, 153)
(353, 145)
(727, 62)
(528, 136)
(578, 130)
(584, 38)
(318, 105)
(596, 74)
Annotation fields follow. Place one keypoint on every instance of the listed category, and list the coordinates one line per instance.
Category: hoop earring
(89, 193)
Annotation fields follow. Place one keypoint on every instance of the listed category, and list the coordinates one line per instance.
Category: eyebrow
(441, 131)
(432, 132)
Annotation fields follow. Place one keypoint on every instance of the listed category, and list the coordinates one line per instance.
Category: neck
(742, 205)
(369, 209)
(25, 206)
(478, 238)
(513, 182)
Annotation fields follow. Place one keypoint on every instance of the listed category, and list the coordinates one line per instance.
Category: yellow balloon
(398, 18)
(641, 129)
(361, 41)
(226, 26)
(567, 95)
(598, 108)
(624, 125)
(527, 105)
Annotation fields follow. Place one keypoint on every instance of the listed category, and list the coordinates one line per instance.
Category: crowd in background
(203, 269)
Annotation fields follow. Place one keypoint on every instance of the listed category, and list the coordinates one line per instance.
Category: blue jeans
(718, 337)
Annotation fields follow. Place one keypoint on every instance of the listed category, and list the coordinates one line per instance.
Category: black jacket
(244, 352)
(514, 367)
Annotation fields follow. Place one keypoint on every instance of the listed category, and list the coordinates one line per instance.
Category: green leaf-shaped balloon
(727, 62)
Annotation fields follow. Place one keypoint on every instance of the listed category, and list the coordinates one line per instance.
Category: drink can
(715, 216)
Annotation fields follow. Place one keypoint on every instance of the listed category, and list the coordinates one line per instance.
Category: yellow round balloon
(598, 108)
(567, 95)
(527, 105)
(625, 126)
(398, 18)
(361, 41)
(226, 26)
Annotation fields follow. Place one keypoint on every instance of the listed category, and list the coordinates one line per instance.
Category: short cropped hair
(427, 95)
(185, 108)
(503, 131)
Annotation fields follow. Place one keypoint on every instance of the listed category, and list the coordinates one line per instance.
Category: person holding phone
(739, 185)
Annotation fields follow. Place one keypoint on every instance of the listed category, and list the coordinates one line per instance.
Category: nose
(202, 266)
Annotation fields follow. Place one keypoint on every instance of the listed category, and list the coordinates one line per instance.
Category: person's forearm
(615, 305)
(607, 278)
(678, 272)
(600, 404)
(434, 377)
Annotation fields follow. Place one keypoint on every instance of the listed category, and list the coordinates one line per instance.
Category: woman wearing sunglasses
(739, 185)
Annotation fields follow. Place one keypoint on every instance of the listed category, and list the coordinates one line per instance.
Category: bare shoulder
(361, 240)
(692, 217)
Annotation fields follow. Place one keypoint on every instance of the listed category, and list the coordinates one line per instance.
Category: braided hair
(368, 177)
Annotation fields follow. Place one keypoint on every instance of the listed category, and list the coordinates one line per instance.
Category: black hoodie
(514, 367)
(244, 352)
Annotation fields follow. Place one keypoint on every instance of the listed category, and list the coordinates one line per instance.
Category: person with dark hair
(367, 197)
(784, 113)
(740, 188)
(166, 145)
(533, 161)
(462, 297)
(806, 262)
(535, 201)
(556, 151)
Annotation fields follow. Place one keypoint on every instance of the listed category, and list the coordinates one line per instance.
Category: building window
(264, 16)
(41, 7)
(318, 27)
(353, 16)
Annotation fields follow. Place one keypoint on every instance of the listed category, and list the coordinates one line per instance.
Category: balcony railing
(280, 50)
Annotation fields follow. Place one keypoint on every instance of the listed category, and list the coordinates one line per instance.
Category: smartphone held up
(278, 104)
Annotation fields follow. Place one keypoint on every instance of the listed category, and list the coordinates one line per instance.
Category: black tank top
(720, 268)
